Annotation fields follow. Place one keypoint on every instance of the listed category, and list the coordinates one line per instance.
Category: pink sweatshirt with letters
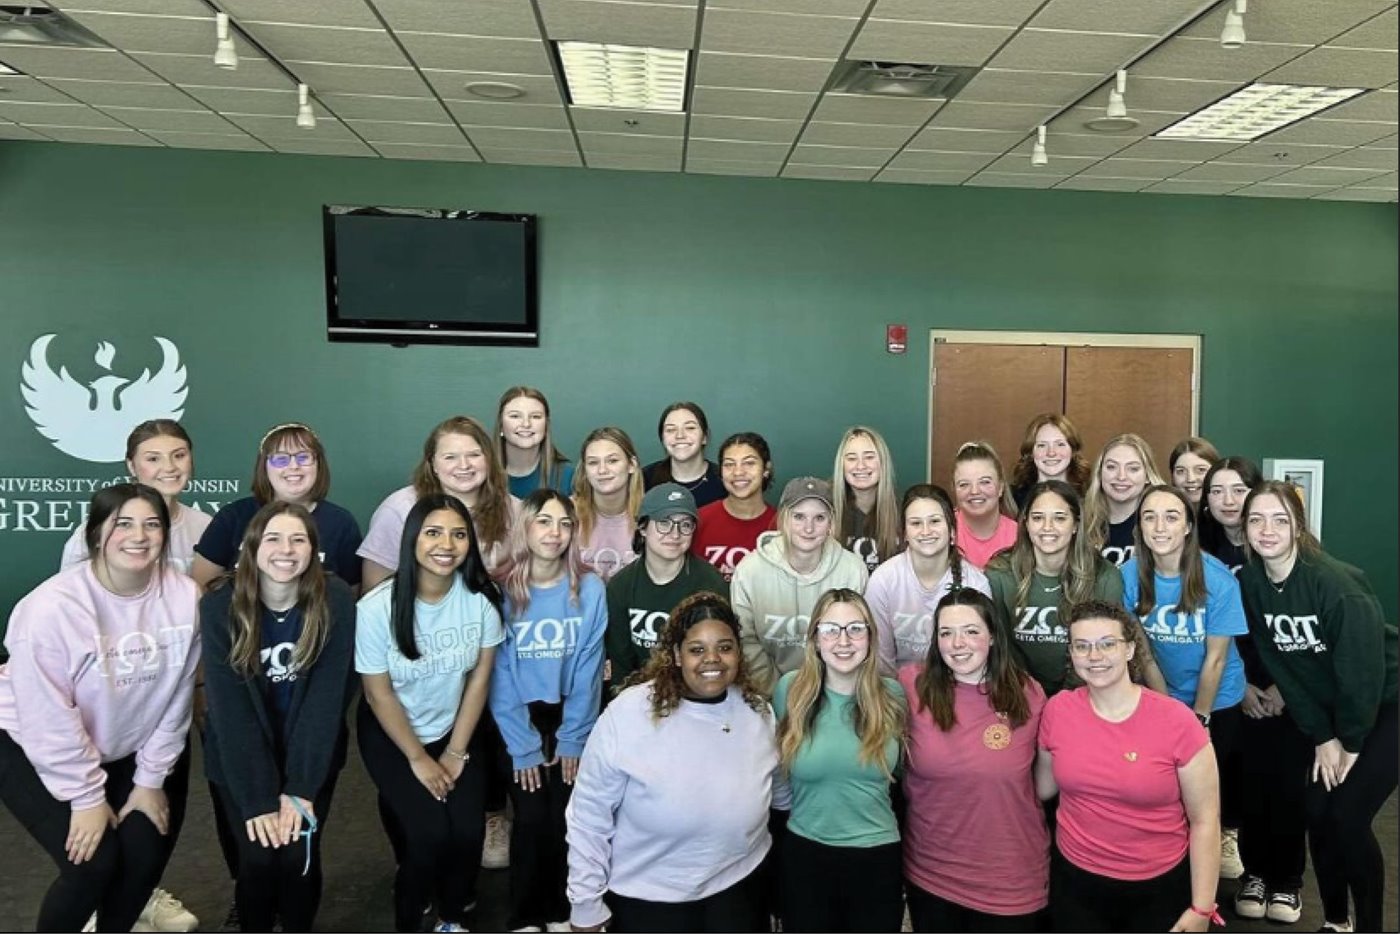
(94, 676)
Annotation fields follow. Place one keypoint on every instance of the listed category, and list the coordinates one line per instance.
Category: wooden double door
(990, 391)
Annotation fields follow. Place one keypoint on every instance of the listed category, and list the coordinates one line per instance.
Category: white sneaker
(1251, 901)
(1231, 867)
(558, 926)
(165, 912)
(91, 924)
(1337, 927)
(495, 852)
(1285, 906)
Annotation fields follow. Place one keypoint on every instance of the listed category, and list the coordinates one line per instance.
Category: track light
(1038, 155)
(225, 55)
(306, 117)
(1232, 36)
(1117, 107)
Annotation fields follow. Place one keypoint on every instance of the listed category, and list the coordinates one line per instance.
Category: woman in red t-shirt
(727, 530)
(1138, 827)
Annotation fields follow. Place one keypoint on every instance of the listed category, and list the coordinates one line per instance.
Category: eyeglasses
(684, 525)
(832, 631)
(1106, 645)
(282, 459)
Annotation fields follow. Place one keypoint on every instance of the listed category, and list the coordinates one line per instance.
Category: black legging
(1275, 757)
(538, 854)
(117, 881)
(1346, 855)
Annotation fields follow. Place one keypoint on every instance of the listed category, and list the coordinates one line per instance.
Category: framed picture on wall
(1306, 476)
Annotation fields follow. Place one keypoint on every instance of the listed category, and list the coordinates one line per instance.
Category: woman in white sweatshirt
(95, 707)
(775, 587)
(645, 851)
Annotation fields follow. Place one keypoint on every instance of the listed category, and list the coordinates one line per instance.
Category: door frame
(1191, 342)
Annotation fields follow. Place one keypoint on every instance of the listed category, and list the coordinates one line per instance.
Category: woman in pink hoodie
(94, 710)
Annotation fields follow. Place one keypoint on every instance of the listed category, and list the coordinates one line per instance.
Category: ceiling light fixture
(306, 117)
(494, 90)
(624, 76)
(225, 55)
(1115, 118)
(1232, 36)
(1256, 110)
(1117, 107)
(1038, 154)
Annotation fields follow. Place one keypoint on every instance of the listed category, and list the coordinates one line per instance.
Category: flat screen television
(430, 276)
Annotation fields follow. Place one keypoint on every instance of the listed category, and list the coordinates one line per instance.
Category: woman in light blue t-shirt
(424, 645)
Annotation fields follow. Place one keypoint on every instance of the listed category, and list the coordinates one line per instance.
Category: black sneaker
(231, 920)
(1252, 898)
(1286, 906)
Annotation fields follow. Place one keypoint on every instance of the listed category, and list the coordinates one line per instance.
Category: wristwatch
(1204, 718)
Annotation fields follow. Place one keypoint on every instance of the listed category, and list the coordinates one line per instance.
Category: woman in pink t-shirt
(608, 495)
(1138, 826)
(972, 808)
(985, 508)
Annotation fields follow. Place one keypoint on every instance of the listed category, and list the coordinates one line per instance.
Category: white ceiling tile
(839, 173)
(735, 150)
(1205, 60)
(467, 53)
(270, 127)
(1381, 181)
(977, 116)
(1083, 144)
(1059, 165)
(360, 79)
(952, 140)
(1280, 191)
(124, 94)
(733, 102)
(185, 121)
(531, 157)
(856, 134)
(1089, 183)
(927, 43)
(320, 147)
(474, 18)
(921, 177)
(381, 107)
(732, 70)
(727, 30)
(518, 138)
(1178, 186)
(1013, 180)
(278, 102)
(31, 90)
(830, 7)
(1355, 68)
(14, 131)
(1180, 149)
(1042, 50)
(199, 70)
(870, 108)
(979, 12)
(1149, 17)
(662, 26)
(239, 141)
(1115, 167)
(747, 128)
(1356, 194)
(385, 131)
(343, 13)
(731, 167)
(461, 153)
(850, 156)
(530, 116)
(944, 162)
(1297, 21)
(1283, 153)
(1315, 175)
(149, 7)
(1231, 172)
(98, 135)
(594, 143)
(1387, 142)
(1076, 120)
(637, 122)
(1373, 105)
(295, 43)
(70, 114)
(452, 86)
(1376, 33)
(1362, 158)
(130, 33)
(93, 64)
(1026, 87)
(636, 162)
(1330, 132)
(1169, 95)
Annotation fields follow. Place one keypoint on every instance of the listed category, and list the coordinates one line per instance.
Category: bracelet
(1213, 914)
(464, 756)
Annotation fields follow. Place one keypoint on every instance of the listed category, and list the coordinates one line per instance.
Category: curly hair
(664, 671)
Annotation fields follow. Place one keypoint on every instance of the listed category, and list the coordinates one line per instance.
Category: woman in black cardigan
(279, 641)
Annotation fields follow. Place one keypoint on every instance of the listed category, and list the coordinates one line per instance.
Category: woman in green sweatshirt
(1322, 635)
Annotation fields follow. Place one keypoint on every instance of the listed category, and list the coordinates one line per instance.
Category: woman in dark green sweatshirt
(1322, 635)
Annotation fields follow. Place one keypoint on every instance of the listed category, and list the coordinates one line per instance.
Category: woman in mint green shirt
(840, 740)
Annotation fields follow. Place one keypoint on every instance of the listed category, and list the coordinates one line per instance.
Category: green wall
(765, 300)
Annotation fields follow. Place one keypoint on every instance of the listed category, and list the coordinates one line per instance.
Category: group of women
(706, 711)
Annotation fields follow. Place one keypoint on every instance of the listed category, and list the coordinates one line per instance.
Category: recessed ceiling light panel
(624, 76)
(1255, 111)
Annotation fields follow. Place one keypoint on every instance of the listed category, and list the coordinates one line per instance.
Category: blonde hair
(492, 513)
(551, 461)
(983, 451)
(1096, 502)
(583, 490)
(885, 521)
(878, 716)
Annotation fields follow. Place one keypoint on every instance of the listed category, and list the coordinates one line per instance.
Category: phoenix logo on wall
(91, 422)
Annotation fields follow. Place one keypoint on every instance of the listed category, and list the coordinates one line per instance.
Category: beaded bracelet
(464, 756)
(1213, 913)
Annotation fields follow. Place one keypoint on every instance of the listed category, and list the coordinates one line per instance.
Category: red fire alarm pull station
(896, 337)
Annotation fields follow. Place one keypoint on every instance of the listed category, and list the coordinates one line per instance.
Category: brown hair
(1003, 682)
(295, 434)
(1193, 445)
(491, 516)
(156, 428)
(1128, 625)
(1192, 570)
(551, 460)
(1026, 473)
(1292, 498)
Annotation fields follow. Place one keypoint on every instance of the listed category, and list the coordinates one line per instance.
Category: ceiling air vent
(897, 79)
(27, 24)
